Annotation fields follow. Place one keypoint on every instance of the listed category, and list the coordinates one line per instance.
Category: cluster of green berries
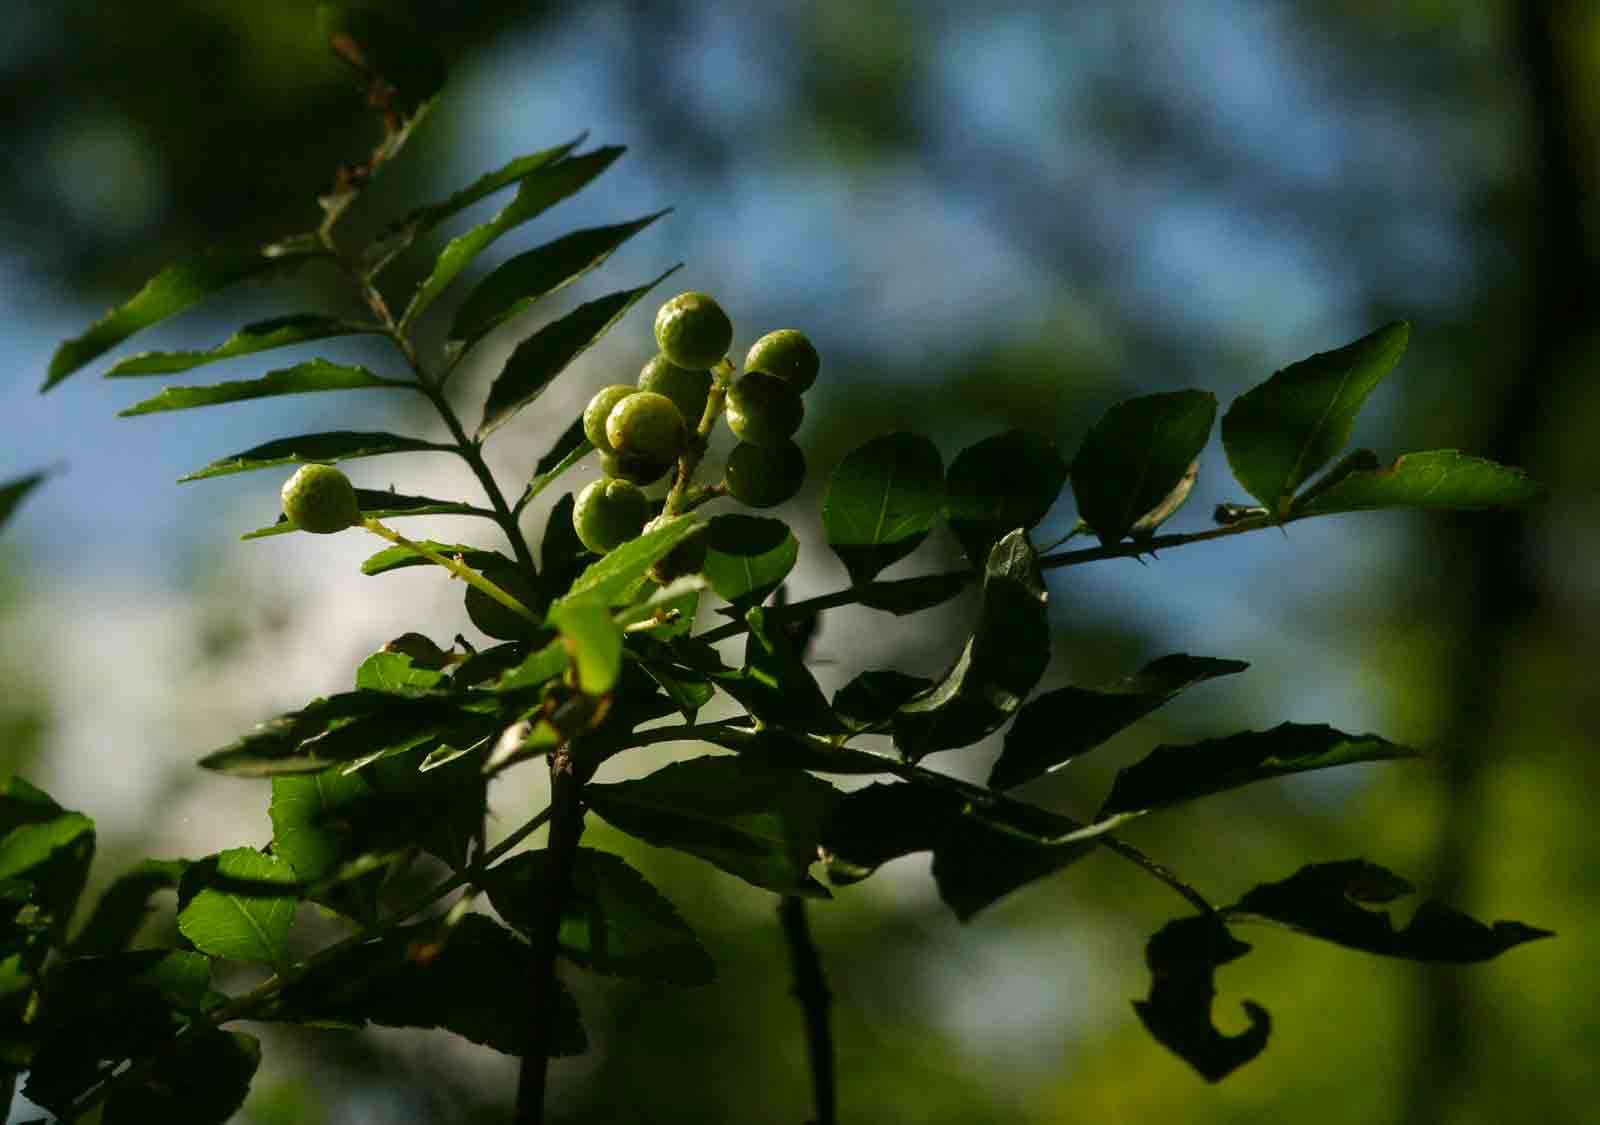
(642, 430)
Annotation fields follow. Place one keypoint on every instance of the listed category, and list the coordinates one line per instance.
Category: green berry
(320, 499)
(599, 408)
(499, 621)
(693, 331)
(687, 389)
(646, 424)
(642, 471)
(764, 409)
(608, 513)
(788, 354)
(763, 476)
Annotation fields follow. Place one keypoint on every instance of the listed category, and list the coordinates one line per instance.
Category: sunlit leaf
(1441, 478)
(1281, 432)
(398, 557)
(593, 639)
(611, 579)
(748, 557)
(222, 921)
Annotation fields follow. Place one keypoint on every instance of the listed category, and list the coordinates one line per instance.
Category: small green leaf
(123, 906)
(1136, 455)
(540, 666)
(1331, 901)
(593, 639)
(748, 557)
(998, 667)
(382, 505)
(536, 274)
(263, 335)
(399, 557)
(1441, 478)
(1006, 481)
(882, 501)
(537, 191)
(201, 1079)
(1183, 957)
(790, 750)
(541, 357)
(688, 690)
(1172, 774)
(340, 445)
(402, 234)
(398, 673)
(753, 820)
(13, 491)
(570, 448)
(314, 375)
(310, 826)
(170, 292)
(222, 922)
(612, 579)
(424, 976)
(1060, 725)
(1281, 432)
(612, 922)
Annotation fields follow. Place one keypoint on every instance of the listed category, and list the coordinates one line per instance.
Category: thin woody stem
(455, 566)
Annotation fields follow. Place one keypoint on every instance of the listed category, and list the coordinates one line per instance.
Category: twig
(811, 989)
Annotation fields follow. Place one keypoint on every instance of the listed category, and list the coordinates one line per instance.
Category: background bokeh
(986, 216)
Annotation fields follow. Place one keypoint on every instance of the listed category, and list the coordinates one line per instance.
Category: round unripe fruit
(599, 409)
(642, 471)
(646, 424)
(608, 513)
(687, 389)
(321, 500)
(763, 476)
(693, 331)
(788, 354)
(764, 409)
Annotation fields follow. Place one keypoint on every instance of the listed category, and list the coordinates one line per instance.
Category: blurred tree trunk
(1487, 561)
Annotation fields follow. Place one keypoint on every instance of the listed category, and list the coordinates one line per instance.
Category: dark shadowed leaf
(170, 292)
(124, 905)
(759, 822)
(1060, 725)
(874, 696)
(263, 335)
(1136, 455)
(13, 491)
(1183, 957)
(379, 45)
(1279, 433)
(1333, 901)
(537, 190)
(882, 501)
(796, 751)
(403, 233)
(901, 596)
(201, 1080)
(562, 555)
(342, 445)
(614, 921)
(534, 275)
(1356, 461)
(535, 362)
(1441, 478)
(382, 505)
(425, 976)
(775, 685)
(399, 557)
(748, 557)
(998, 667)
(313, 375)
(222, 921)
(1172, 774)
(1006, 481)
